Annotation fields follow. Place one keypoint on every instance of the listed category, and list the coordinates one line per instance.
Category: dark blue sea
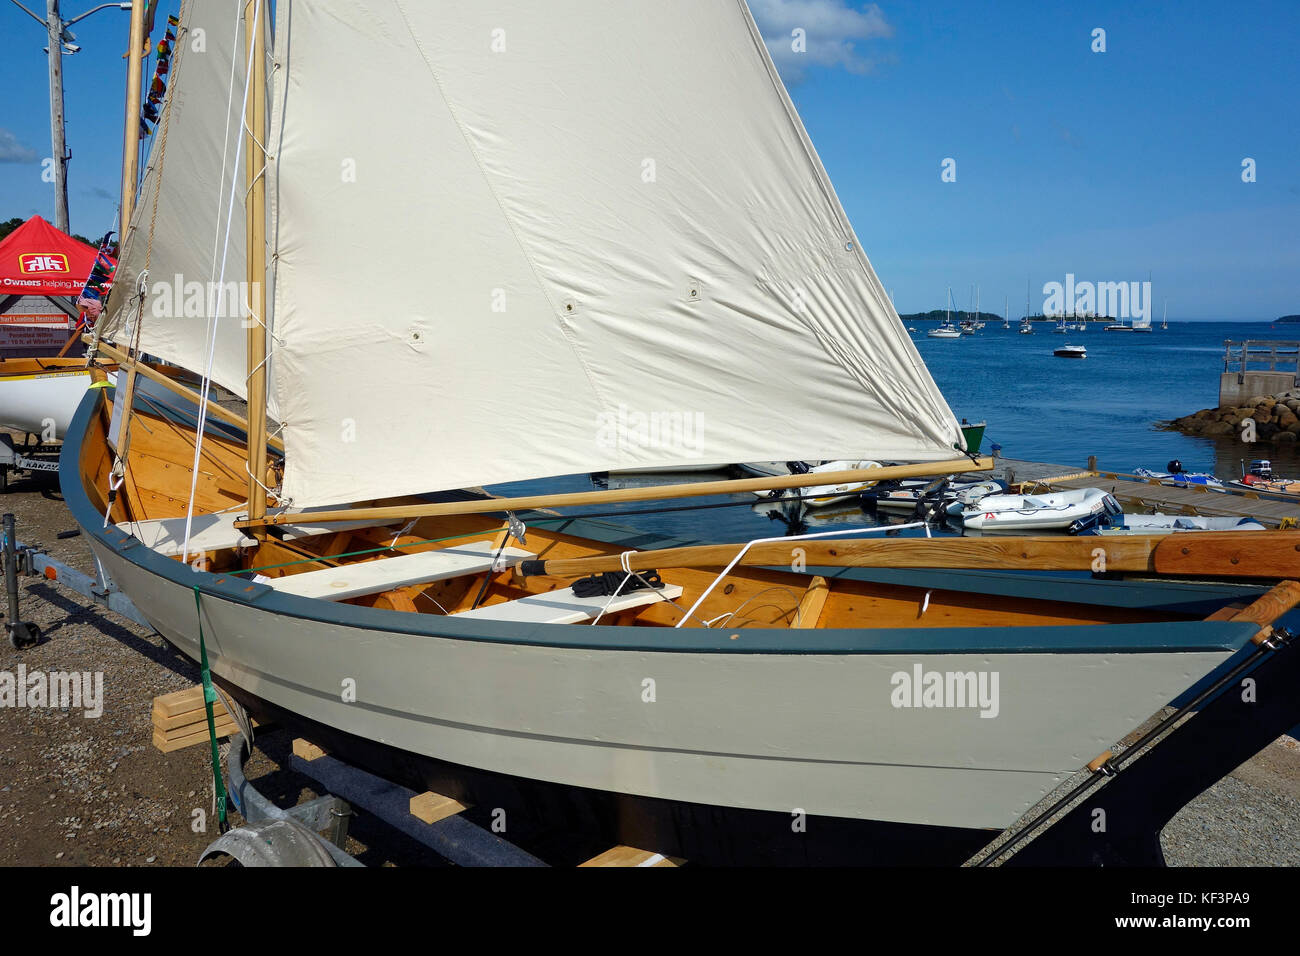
(1037, 406)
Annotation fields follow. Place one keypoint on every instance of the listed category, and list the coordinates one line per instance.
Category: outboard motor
(1175, 467)
(1262, 468)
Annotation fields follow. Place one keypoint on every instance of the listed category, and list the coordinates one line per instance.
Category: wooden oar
(617, 495)
(1269, 555)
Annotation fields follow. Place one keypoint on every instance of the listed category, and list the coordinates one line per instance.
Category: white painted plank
(565, 607)
(371, 577)
(218, 532)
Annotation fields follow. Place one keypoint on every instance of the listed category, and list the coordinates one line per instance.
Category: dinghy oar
(1191, 554)
(653, 493)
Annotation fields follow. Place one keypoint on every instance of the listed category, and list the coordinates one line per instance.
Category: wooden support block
(199, 715)
(812, 602)
(167, 742)
(631, 856)
(432, 807)
(306, 750)
(168, 705)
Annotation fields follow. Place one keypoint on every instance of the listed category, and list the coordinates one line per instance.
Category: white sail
(529, 239)
(178, 226)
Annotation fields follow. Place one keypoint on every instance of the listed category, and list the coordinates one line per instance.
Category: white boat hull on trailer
(819, 731)
(42, 403)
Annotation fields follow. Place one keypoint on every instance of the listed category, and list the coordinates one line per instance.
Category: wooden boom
(618, 495)
(1269, 555)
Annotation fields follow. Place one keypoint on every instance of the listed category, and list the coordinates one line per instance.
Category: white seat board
(371, 577)
(217, 532)
(565, 607)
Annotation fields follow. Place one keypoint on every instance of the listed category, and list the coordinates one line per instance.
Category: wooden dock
(1146, 496)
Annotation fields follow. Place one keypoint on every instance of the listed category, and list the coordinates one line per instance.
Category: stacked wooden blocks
(180, 720)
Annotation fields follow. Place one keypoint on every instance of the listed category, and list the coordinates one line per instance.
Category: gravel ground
(94, 791)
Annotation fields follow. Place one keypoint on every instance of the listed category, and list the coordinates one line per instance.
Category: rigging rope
(221, 288)
(210, 698)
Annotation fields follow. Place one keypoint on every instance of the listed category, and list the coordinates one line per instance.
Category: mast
(131, 125)
(255, 252)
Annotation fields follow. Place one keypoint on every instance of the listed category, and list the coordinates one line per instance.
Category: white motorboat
(818, 496)
(1071, 351)
(1054, 511)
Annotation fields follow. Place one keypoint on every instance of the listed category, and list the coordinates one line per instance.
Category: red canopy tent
(41, 271)
(37, 259)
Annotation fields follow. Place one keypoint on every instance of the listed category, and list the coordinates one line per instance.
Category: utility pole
(59, 153)
(60, 41)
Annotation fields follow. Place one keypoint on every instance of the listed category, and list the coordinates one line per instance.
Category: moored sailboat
(497, 659)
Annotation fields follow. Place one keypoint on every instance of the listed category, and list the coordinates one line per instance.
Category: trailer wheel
(23, 634)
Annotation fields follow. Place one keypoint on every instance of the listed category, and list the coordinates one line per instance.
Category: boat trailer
(31, 456)
(1119, 807)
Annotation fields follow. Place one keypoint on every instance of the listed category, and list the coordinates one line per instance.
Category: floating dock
(1141, 495)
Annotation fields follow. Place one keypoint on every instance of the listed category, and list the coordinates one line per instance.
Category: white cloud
(832, 30)
(12, 151)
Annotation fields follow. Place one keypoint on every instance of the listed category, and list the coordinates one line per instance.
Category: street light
(60, 40)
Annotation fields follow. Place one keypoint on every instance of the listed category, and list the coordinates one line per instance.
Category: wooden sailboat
(683, 696)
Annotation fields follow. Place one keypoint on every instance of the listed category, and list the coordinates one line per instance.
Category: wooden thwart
(616, 495)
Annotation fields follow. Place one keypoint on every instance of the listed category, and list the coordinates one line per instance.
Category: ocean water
(1037, 407)
(1044, 408)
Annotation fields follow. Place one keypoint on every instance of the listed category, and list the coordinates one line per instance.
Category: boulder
(1266, 430)
(1285, 437)
(1217, 429)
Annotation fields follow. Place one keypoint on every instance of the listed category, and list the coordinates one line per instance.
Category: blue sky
(1106, 165)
